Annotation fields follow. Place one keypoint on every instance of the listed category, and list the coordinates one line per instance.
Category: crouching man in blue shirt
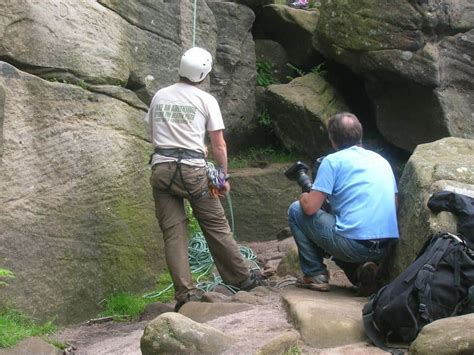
(362, 192)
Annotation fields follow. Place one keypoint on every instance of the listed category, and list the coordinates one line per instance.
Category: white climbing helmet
(195, 64)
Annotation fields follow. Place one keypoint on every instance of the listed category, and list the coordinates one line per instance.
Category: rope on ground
(201, 262)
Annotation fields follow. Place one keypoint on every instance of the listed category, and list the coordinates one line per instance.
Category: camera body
(299, 173)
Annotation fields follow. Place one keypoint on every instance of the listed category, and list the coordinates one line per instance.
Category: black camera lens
(298, 172)
(305, 182)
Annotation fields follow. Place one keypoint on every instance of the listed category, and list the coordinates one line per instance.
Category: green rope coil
(201, 262)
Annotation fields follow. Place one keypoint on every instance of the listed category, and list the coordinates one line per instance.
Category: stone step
(326, 319)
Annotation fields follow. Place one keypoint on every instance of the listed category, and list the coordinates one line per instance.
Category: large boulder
(87, 41)
(446, 164)
(234, 75)
(294, 30)
(300, 111)
(156, 28)
(77, 218)
(446, 336)
(173, 333)
(415, 58)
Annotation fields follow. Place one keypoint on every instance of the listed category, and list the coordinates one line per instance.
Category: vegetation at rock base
(14, 327)
(4, 274)
(193, 225)
(260, 157)
(265, 73)
(320, 69)
(124, 306)
(294, 350)
(296, 72)
(264, 119)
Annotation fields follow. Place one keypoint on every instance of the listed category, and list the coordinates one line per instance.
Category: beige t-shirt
(179, 117)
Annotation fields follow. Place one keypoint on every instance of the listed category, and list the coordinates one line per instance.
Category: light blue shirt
(361, 189)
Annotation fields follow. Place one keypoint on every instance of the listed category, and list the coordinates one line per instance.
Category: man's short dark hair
(345, 130)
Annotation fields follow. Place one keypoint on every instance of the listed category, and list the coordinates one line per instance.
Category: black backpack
(438, 284)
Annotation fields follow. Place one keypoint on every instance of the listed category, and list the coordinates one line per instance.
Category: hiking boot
(194, 296)
(367, 279)
(255, 279)
(316, 283)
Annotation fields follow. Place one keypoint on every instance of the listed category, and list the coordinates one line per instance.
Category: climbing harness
(180, 154)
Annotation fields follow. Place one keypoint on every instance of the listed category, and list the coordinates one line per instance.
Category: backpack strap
(424, 277)
(371, 329)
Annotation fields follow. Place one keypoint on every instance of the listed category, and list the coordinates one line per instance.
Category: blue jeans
(316, 237)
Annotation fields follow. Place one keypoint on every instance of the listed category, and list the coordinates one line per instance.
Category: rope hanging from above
(194, 23)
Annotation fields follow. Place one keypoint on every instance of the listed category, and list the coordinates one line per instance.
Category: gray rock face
(234, 75)
(448, 336)
(252, 189)
(300, 111)
(173, 333)
(446, 164)
(77, 217)
(87, 41)
(416, 59)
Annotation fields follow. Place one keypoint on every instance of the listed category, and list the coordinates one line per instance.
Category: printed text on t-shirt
(174, 113)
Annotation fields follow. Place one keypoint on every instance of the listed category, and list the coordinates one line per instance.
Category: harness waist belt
(179, 153)
(370, 242)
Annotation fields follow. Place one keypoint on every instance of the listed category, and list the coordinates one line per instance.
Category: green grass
(128, 306)
(265, 73)
(193, 225)
(124, 306)
(258, 156)
(15, 327)
(5, 274)
(293, 350)
(264, 119)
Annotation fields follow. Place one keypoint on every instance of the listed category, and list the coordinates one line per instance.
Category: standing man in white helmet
(179, 117)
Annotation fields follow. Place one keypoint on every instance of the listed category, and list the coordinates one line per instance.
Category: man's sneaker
(316, 283)
(194, 296)
(367, 278)
(255, 279)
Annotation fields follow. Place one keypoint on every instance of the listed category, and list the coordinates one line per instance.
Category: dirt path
(251, 328)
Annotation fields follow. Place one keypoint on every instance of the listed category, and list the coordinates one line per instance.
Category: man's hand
(312, 201)
(225, 189)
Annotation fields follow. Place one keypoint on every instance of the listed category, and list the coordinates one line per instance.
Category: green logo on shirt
(174, 113)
